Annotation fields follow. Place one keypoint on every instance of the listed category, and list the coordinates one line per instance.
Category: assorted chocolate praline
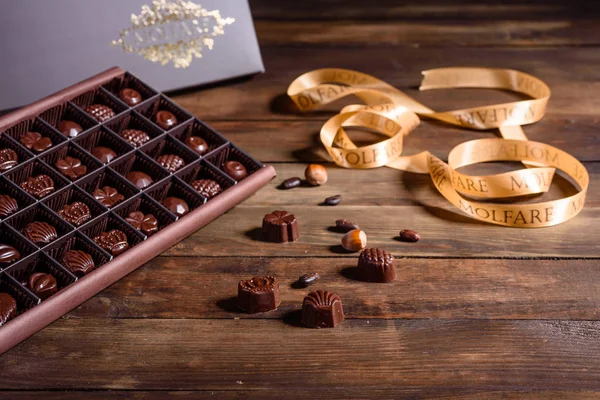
(100, 112)
(322, 309)
(147, 223)
(197, 144)
(76, 213)
(235, 170)
(376, 265)
(104, 154)
(108, 196)
(280, 227)
(165, 119)
(207, 187)
(40, 233)
(259, 294)
(36, 142)
(69, 128)
(71, 167)
(8, 206)
(78, 262)
(8, 159)
(140, 179)
(8, 254)
(8, 308)
(135, 137)
(131, 97)
(171, 162)
(176, 205)
(113, 241)
(42, 285)
(38, 186)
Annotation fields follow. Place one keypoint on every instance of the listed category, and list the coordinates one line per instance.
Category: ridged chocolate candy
(40, 232)
(235, 170)
(145, 223)
(176, 205)
(171, 162)
(108, 196)
(322, 309)
(8, 206)
(71, 167)
(43, 285)
(78, 262)
(8, 308)
(8, 254)
(131, 97)
(100, 112)
(135, 137)
(376, 265)
(69, 128)
(259, 294)
(76, 213)
(280, 227)
(114, 241)
(207, 187)
(38, 186)
(36, 142)
(165, 119)
(8, 159)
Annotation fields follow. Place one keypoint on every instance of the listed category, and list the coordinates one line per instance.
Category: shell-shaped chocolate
(207, 187)
(43, 285)
(76, 213)
(8, 308)
(40, 232)
(8, 159)
(114, 241)
(78, 262)
(8, 205)
(100, 112)
(171, 162)
(8, 253)
(321, 298)
(38, 186)
(71, 167)
(145, 223)
(135, 137)
(259, 284)
(108, 196)
(322, 309)
(36, 142)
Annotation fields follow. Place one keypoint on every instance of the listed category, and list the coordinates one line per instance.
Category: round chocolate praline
(197, 144)
(176, 205)
(104, 154)
(131, 97)
(166, 119)
(140, 179)
(235, 170)
(69, 128)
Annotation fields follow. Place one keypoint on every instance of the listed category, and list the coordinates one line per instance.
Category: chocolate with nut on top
(259, 294)
(8, 308)
(207, 187)
(8, 206)
(322, 309)
(8, 159)
(78, 262)
(114, 241)
(280, 227)
(38, 186)
(376, 265)
(76, 213)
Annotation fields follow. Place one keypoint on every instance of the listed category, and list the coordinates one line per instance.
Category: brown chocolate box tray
(43, 117)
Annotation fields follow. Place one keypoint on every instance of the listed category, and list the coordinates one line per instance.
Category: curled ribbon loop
(394, 114)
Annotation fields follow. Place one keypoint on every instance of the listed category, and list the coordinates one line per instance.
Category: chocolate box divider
(98, 179)
(61, 246)
(169, 145)
(23, 269)
(27, 169)
(18, 241)
(24, 199)
(146, 91)
(99, 136)
(20, 293)
(73, 150)
(74, 193)
(149, 110)
(143, 200)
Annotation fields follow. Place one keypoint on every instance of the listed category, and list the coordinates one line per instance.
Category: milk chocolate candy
(108, 196)
(259, 294)
(76, 213)
(38, 186)
(8, 308)
(104, 154)
(197, 144)
(376, 265)
(36, 142)
(322, 309)
(176, 205)
(235, 170)
(131, 97)
(171, 162)
(100, 112)
(78, 262)
(43, 285)
(207, 187)
(8, 254)
(114, 241)
(8, 159)
(40, 233)
(280, 227)
(8, 206)
(145, 223)
(140, 179)
(135, 137)
(165, 119)
(71, 167)
(69, 128)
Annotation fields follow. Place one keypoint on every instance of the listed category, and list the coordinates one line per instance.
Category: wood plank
(194, 287)
(271, 354)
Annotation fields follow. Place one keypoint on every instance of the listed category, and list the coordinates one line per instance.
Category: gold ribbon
(394, 114)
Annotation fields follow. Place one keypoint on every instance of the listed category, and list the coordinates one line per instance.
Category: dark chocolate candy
(259, 294)
(207, 187)
(114, 241)
(170, 162)
(176, 205)
(76, 213)
(197, 144)
(235, 170)
(322, 309)
(69, 128)
(38, 186)
(43, 285)
(104, 154)
(40, 232)
(8, 254)
(36, 142)
(280, 227)
(145, 223)
(100, 112)
(135, 137)
(8, 159)
(8, 308)
(130, 97)
(108, 196)
(71, 167)
(78, 262)
(140, 179)
(166, 119)
(376, 265)
(8, 205)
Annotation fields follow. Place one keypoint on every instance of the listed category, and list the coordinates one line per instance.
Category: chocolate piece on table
(38, 186)
(78, 262)
(43, 285)
(100, 112)
(69, 128)
(131, 97)
(36, 142)
(376, 265)
(170, 162)
(8, 205)
(114, 241)
(40, 232)
(140, 179)
(135, 137)
(197, 144)
(166, 119)
(322, 309)
(71, 167)
(207, 187)
(8, 159)
(8, 254)
(259, 294)
(104, 154)
(145, 223)
(280, 227)
(76, 213)
(176, 205)
(235, 170)
(8, 308)
(108, 196)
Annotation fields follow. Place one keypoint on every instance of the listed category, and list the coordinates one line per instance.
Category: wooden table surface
(477, 310)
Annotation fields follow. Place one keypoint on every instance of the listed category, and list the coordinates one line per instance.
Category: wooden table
(477, 310)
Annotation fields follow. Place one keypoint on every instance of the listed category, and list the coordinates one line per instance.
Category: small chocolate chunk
(333, 200)
(344, 225)
(78, 262)
(145, 223)
(43, 285)
(108, 196)
(76, 213)
(207, 187)
(166, 119)
(8, 159)
(407, 235)
(235, 170)
(114, 241)
(104, 154)
(135, 137)
(376, 265)
(170, 162)
(291, 183)
(36, 142)
(8, 254)
(280, 227)
(40, 232)
(322, 309)
(69, 128)
(38, 186)
(100, 112)
(197, 144)
(259, 294)
(8, 308)
(140, 179)
(71, 167)
(131, 97)
(8, 206)
(176, 205)
(309, 279)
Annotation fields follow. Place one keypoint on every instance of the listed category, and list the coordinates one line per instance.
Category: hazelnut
(354, 240)
(315, 174)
